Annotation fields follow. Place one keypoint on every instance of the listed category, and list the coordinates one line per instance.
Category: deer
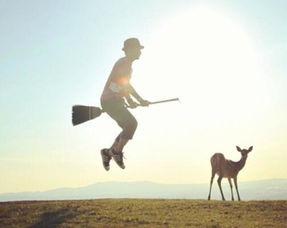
(227, 169)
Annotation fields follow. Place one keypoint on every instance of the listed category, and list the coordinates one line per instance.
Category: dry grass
(143, 213)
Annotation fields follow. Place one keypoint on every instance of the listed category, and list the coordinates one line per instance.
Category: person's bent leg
(127, 134)
(117, 111)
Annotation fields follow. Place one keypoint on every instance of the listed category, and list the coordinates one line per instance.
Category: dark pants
(115, 108)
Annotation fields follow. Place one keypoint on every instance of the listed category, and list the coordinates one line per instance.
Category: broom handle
(155, 102)
(163, 101)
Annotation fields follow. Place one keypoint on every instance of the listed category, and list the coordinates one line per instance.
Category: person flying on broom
(117, 90)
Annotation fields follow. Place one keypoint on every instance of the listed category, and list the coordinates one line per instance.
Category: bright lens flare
(207, 60)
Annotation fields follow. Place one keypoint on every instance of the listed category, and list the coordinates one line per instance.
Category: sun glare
(209, 61)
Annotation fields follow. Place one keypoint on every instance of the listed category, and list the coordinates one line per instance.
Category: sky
(225, 60)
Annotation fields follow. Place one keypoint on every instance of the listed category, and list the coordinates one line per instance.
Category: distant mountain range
(274, 189)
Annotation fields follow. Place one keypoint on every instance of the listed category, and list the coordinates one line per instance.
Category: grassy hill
(143, 213)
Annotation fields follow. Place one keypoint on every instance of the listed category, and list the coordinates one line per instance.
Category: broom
(83, 113)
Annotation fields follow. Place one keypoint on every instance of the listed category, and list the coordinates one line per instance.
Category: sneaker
(118, 158)
(106, 158)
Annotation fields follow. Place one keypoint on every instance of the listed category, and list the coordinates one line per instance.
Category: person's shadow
(54, 218)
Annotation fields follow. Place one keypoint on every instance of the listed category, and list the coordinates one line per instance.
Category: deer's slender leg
(211, 181)
(219, 184)
(235, 182)
(230, 183)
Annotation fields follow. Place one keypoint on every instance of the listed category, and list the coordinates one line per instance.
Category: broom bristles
(83, 113)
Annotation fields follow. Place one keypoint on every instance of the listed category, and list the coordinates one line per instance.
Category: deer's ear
(238, 148)
(250, 148)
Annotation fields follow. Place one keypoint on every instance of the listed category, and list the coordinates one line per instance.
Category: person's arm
(133, 92)
(130, 101)
(130, 90)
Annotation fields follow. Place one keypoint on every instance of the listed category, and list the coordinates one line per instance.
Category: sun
(208, 60)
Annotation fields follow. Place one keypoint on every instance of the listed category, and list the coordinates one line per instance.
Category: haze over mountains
(273, 189)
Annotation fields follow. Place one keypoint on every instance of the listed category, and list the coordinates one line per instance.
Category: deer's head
(244, 152)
